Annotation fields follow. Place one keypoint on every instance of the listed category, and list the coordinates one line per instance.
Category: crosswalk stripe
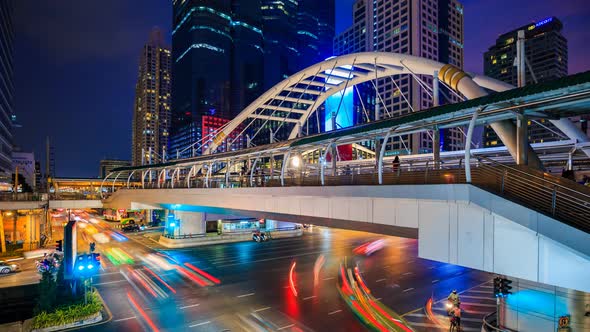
(478, 297)
(479, 291)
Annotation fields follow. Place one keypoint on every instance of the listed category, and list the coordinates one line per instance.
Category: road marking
(434, 281)
(410, 261)
(109, 282)
(477, 297)
(190, 306)
(329, 278)
(285, 327)
(431, 267)
(380, 280)
(309, 297)
(203, 323)
(378, 299)
(407, 290)
(261, 309)
(407, 273)
(245, 295)
(479, 291)
(124, 319)
(334, 312)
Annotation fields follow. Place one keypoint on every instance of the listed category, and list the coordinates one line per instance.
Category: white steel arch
(296, 98)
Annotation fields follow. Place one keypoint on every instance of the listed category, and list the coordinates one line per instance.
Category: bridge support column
(506, 130)
(522, 140)
(572, 131)
(190, 222)
(436, 148)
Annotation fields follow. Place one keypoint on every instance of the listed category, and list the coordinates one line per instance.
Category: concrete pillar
(148, 216)
(506, 131)
(522, 140)
(190, 222)
(2, 237)
(436, 148)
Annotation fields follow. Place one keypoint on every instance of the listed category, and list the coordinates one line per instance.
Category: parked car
(131, 228)
(8, 267)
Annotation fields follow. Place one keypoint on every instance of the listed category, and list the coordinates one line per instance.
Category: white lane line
(334, 312)
(124, 319)
(407, 273)
(309, 297)
(285, 327)
(380, 280)
(407, 290)
(199, 324)
(109, 282)
(245, 295)
(261, 309)
(329, 278)
(190, 306)
(434, 281)
(378, 299)
(431, 267)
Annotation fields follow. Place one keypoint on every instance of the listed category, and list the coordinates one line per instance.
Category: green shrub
(68, 314)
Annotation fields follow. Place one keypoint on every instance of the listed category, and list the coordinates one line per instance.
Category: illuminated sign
(543, 22)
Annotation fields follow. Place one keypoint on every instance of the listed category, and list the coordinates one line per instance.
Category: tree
(47, 293)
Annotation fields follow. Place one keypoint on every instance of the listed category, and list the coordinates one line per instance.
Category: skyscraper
(151, 114)
(547, 56)
(218, 59)
(426, 28)
(6, 86)
(226, 53)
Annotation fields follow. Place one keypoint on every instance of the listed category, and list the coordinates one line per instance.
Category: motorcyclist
(456, 316)
(454, 298)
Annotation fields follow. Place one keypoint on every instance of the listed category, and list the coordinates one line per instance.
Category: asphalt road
(255, 293)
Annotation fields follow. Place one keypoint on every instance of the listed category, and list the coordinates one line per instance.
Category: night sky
(76, 65)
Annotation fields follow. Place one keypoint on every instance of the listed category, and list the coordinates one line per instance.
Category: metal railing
(23, 197)
(234, 233)
(556, 197)
(559, 198)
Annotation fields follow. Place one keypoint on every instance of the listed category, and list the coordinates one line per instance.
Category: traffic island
(75, 315)
(195, 240)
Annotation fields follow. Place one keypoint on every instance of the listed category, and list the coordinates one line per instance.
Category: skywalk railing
(556, 197)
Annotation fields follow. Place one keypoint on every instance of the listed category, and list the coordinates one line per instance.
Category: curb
(109, 316)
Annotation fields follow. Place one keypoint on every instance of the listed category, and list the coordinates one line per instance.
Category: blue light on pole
(172, 224)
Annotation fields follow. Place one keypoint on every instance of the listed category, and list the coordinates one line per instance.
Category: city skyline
(82, 138)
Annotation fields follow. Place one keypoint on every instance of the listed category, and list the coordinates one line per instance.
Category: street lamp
(296, 162)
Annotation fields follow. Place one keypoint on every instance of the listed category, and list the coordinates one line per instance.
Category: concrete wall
(458, 224)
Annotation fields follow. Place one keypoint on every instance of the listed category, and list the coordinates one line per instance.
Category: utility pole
(48, 225)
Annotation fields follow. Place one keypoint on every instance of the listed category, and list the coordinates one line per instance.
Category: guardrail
(556, 197)
(238, 233)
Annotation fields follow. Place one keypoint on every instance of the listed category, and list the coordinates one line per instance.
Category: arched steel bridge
(293, 101)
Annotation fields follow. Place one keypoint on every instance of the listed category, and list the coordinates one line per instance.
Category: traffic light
(92, 246)
(87, 264)
(505, 286)
(497, 286)
(59, 245)
(502, 287)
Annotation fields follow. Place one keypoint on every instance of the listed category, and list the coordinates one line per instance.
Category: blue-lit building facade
(6, 88)
(226, 53)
